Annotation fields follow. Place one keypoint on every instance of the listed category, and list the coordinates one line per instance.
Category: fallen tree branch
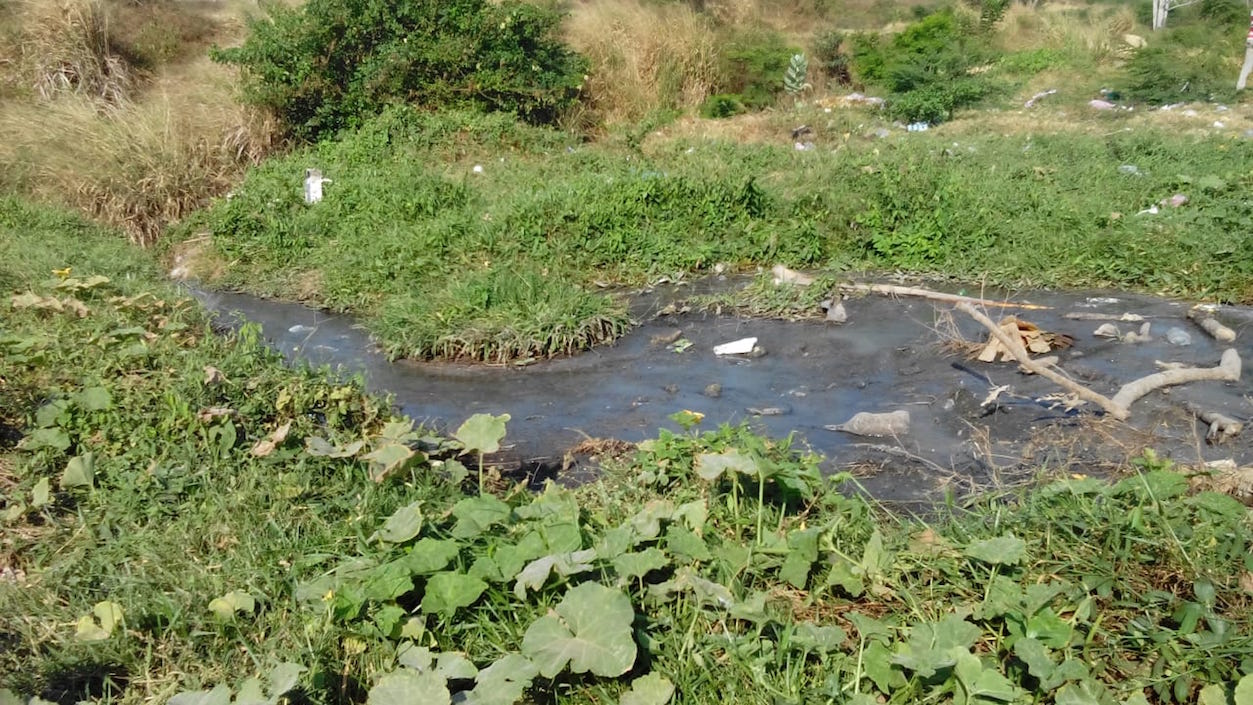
(1210, 325)
(1020, 354)
(893, 290)
(1221, 427)
(1228, 370)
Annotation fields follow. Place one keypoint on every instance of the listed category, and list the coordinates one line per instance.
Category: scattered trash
(1107, 330)
(1102, 300)
(783, 275)
(805, 146)
(1031, 103)
(894, 423)
(882, 133)
(1219, 124)
(757, 351)
(313, 185)
(681, 345)
(1135, 41)
(802, 131)
(1086, 316)
(1178, 336)
(1151, 210)
(1029, 334)
(836, 313)
(1101, 104)
(1130, 170)
(918, 127)
(713, 391)
(667, 337)
(298, 329)
(478, 169)
(743, 346)
(863, 99)
(767, 411)
(1210, 325)
(1176, 200)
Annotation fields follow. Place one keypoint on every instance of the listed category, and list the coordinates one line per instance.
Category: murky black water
(887, 357)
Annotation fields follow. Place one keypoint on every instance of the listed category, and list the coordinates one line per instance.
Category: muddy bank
(887, 357)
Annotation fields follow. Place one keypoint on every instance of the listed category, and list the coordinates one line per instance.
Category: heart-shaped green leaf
(590, 632)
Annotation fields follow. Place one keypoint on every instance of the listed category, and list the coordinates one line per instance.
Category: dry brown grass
(138, 149)
(644, 56)
(1091, 33)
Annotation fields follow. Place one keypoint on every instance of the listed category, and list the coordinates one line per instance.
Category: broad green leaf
(802, 553)
(877, 662)
(591, 631)
(647, 522)
(456, 471)
(8, 697)
(475, 514)
(387, 582)
(931, 645)
(250, 693)
(1222, 505)
(1212, 694)
(1244, 691)
(616, 541)
(1051, 630)
(1003, 550)
(412, 656)
(455, 666)
(536, 573)
(107, 615)
(404, 524)
(503, 682)
(693, 515)
(482, 433)
(54, 438)
(1211, 182)
(707, 592)
(751, 609)
(1086, 692)
(321, 448)
(406, 687)
(681, 542)
(40, 495)
(1156, 484)
(875, 559)
(561, 535)
(818, 639)
(429, 556)
(447, 592)
(981, 683)
(1036, 656)
(652, 689)
(555, 502)
(1068, 670)
(387, 458)
(1003, 596)
(220, 695)
(711, 466)
(389, 618)
(95, 399)
(399, 431)
(869, 628)
(49, 414)
(232, 603)
(640, 563)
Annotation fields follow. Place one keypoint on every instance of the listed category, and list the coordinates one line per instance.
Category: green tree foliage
(330, 64)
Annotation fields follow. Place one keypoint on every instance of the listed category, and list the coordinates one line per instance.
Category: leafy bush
(722, 105)
(331, 64)
(933, 57)
(752, 66)
(1184, 64)
(834, 62)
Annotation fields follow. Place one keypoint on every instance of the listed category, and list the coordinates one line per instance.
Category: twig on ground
(1221, 427)
(1228, 370)
(1210, 325)
(893, 290)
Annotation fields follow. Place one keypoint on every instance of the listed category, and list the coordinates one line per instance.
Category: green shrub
(933, 58)
(832, 59)
(1187, 63)
(752, 65)
(722, 105)
(331, 64)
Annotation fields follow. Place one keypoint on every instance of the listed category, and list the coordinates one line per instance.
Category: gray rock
(713, 391)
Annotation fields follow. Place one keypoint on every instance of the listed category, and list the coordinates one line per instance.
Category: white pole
(1248, 57)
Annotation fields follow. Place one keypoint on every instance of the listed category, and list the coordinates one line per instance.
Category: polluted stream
(892, 354)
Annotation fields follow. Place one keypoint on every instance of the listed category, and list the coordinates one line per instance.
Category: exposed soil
(890, 355)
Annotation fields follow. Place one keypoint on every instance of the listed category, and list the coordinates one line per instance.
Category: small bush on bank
(1192, 62)
(331, 64)
(752, 65)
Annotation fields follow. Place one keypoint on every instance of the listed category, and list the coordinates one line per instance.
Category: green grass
(445, 262)
(351, 545)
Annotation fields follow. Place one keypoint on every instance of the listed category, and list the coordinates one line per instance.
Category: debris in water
(1141, 337)
(767, 411)
(783, 275)
(837, 314)
(1033, 339)
(743, 346)
(1178, 336)
(894, 423)
(1217, 331)
(667, 337)
(713, 391)
(1107, 330)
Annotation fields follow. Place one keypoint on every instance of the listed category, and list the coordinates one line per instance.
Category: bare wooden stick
(1020, 354)
(1216, 330)
(893, 290)
(1091, 316)
(1221, 427)
(1228, 370)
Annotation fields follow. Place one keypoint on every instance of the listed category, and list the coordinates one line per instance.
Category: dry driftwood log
(892, 290)
(894, 423)
(1228, 370)
(1221, 427)
(1210, 325)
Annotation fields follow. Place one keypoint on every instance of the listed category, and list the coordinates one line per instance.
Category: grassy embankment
(180, 510)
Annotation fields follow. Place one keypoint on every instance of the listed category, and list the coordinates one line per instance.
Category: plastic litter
(1101, 104)
(1178, 336)
(1130, 170)
(895, 423)
(743, 346)
(1031, 103)
(918, 127)
(313, 185)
